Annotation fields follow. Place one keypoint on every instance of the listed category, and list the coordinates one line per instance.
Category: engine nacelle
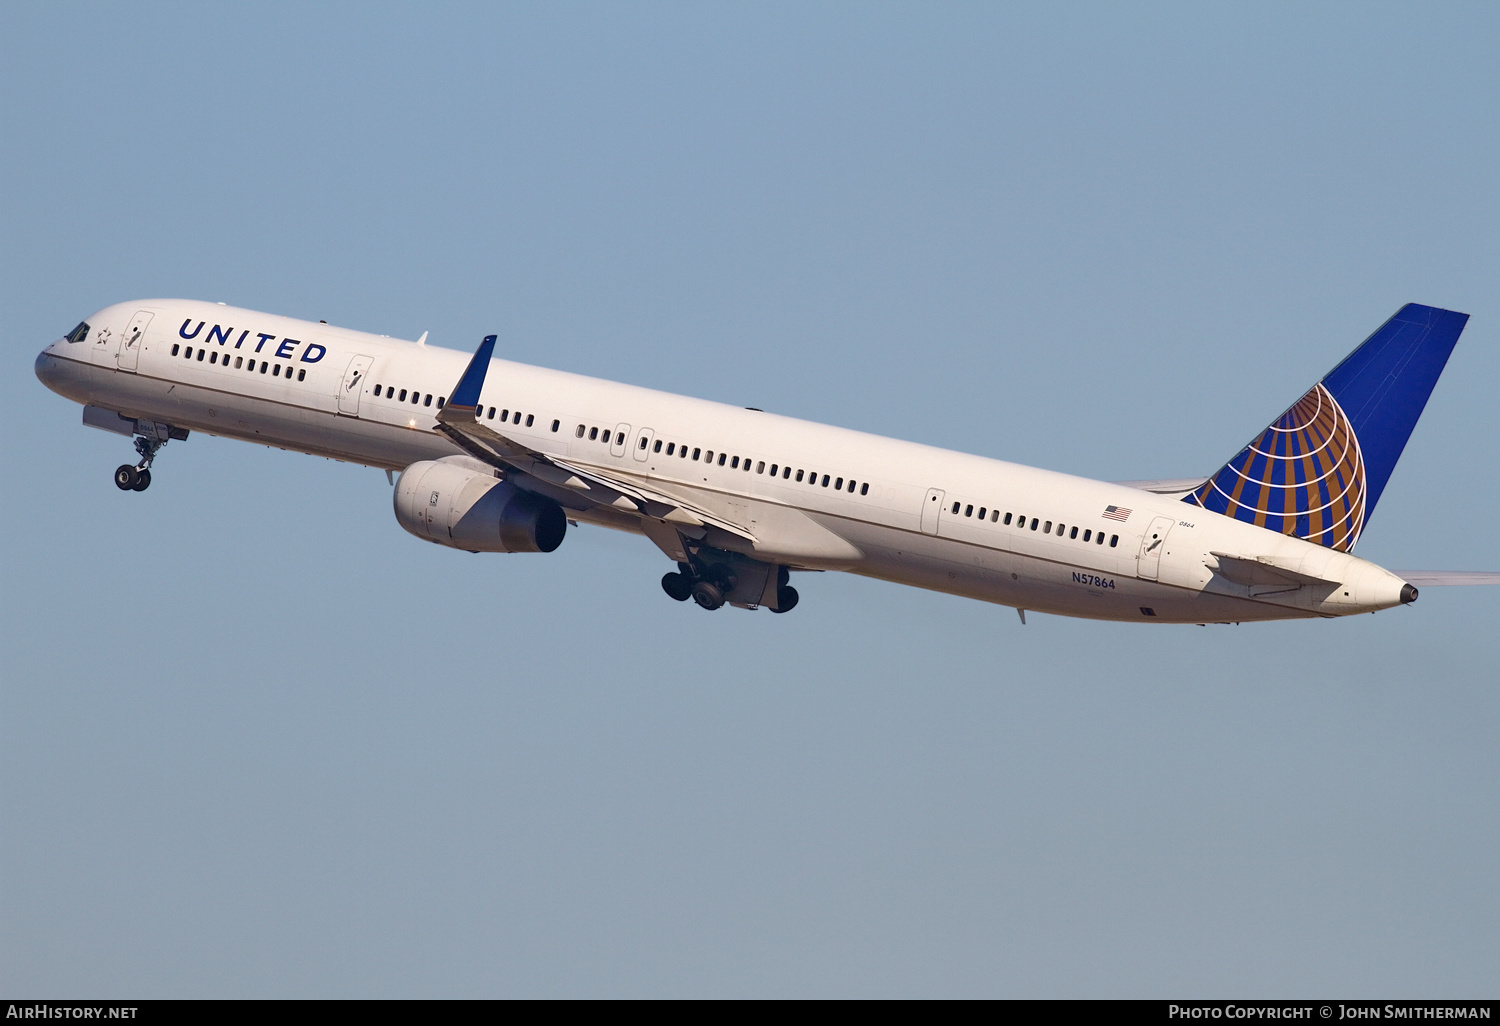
(459, 502)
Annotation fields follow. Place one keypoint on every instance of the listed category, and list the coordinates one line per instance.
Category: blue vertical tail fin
(1319, 469)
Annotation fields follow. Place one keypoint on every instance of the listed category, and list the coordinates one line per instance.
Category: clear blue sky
(257, 741)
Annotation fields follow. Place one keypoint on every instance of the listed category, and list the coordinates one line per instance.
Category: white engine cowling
(459, 502)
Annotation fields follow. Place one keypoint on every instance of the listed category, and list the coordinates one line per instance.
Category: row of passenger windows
(601, 435)
(252, 365)
(1063, 530)
(724, 459)
(389, 391)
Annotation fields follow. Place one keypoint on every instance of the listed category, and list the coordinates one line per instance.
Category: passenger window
(722, 458)
(441, 400)
(175, 347)
(734, 464)
(775, 469)
(981, 512)
(555, 425)
(799, 476)
(1033, 523)
(1073, 534)
(263, 366)
(213, 357)
(864, 489)
(200, 355)
(955, 508)
(1048, 528)
(670, 447)
(1088, 535)
(969, 510)
(825, 480)
(302, 374)
(416, 397)
(276, 371)
(657, 447)
(515, 418)
(760, 468)
(994, 516)
(838, 485)
(851, 486)
(377, 391)
(403, 395)
(239, 361)
(696, 452)
(708, 456)
(644, 442)
(1099, 538)
(1114, 540)
(1007, 520)
(491, 414)
(428, 400)
(531, 419)
(786, 473)
(682, 453)
(593, 434)
(504, 416)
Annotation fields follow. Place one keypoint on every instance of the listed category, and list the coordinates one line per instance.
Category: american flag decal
(1117, 513)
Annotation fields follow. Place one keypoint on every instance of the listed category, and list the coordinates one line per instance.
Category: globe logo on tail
(1304, 476)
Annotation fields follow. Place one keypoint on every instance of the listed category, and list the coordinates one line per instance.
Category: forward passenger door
(932, 509)
(353, 385)
(133, 339)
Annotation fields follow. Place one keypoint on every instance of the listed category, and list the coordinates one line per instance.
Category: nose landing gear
(138, 477)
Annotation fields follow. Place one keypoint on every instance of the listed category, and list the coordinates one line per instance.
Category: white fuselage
(838, 499)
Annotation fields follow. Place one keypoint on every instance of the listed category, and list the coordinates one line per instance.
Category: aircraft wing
(458, 419)
(1439, 578)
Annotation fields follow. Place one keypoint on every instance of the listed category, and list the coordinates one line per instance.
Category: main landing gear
(711, 585)
(138, 477)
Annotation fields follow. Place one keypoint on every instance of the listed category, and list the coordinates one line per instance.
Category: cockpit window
(79, 333)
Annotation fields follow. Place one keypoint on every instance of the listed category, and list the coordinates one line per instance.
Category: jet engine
(462, 503)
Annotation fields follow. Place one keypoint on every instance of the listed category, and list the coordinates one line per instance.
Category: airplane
(496, 456)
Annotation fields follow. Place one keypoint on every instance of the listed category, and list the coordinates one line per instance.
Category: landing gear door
(932, 508)
(1152, 545)
(133, 339)
(353, 384)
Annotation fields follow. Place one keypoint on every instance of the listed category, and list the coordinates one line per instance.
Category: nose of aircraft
(51, 368)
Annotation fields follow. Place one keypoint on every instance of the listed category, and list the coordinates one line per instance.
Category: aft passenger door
(1149, 560)
(353, 385)
(932, 509)
(133, 339)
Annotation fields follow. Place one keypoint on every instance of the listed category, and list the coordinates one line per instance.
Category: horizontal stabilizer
(1442, 578)
(1165, 486)
(1259, 570)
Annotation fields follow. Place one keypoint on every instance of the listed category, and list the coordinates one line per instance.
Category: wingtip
(465, 396)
